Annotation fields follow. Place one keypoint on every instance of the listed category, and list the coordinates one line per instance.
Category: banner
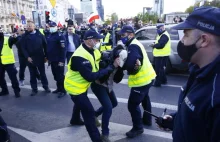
(53, 3)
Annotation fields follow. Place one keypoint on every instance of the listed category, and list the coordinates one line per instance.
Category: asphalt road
(45, 118)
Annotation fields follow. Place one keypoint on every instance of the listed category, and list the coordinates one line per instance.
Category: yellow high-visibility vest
(7, 54)
(41, 31)
(74, 83)
(106, 40)
(166, 51)
(146, 73)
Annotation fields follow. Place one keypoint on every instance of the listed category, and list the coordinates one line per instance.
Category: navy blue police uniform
(11, 70)
(56, 53)
(198, 116)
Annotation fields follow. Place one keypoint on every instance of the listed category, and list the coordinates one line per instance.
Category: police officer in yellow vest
(141, 75)
(7, 61)
(107, 40)
(161, 52)
(83, 69)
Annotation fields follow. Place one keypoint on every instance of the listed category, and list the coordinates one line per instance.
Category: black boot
(78, 122)
(61, 94)
(17, 95)
(133, 132)
(34, 93)
(56, 91)
(4, 93)
(147, 119)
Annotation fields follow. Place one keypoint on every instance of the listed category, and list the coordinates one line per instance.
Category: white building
(158, 7)
(11, 12)
(88, 6)
(57, 14)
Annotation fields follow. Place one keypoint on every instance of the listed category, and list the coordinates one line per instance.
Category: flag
(60, 25)
(93, 17)
(53, 3)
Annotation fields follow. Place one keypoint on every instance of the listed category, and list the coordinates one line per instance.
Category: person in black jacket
(15, 40)
(34, 48)
(56, 51)
(72, 42)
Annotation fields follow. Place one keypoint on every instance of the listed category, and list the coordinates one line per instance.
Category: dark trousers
(22, 67)
(68, 56)
(4, 136)
(160, 63)
(11, 70)
(33, 76)
(58, 74)
(108, 101)
(139, 95)
(83, 104)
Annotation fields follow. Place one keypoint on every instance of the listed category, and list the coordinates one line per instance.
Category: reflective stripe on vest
(7, 54)
(74, 83)
(146, 74)
(106, 40)
(166, 51)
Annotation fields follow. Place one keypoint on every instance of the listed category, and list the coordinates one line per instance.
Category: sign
(22, 17)
(53, 12)
(23, 22)
(53, 3)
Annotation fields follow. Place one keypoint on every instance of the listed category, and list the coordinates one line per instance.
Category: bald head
(30, 26)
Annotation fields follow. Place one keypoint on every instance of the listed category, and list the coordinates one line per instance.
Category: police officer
(34, 48)
(46, 31)
(56, 51)
(161, 52)
(141, 74)
(197, 118)
(107, 40)
(83, 68)
(7, 61)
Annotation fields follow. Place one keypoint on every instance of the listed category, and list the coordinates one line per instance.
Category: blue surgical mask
(159, 31)
(53, 29)
(124, 39)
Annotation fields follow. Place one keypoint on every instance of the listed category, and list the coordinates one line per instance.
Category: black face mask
(186, 52)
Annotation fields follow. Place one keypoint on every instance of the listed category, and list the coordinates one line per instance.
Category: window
(173, 34)
(147, 34)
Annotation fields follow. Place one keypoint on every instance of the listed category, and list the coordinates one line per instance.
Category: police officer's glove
(164, 123)
(110, 68)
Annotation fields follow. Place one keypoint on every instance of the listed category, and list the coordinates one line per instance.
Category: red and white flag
(93, 17)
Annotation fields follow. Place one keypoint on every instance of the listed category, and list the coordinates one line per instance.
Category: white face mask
(53, 29)
(97, 45)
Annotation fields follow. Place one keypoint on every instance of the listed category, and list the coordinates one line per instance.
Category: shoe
(133, 133)
(33, 93)
(21, 82)
(163, 82)
(47, 90)
(61, 94)
(79, 122)
(17, 95)
(4, 93)
(56, 91)
(97, 123)
(105, 138)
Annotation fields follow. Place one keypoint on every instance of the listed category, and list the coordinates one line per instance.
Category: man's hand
(116, 62)
(45, 60)
(60, 64)
(30, 60)
(137, 65)
(151, 45)
(166, 119)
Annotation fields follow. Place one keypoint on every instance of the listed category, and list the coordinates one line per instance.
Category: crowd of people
(93, 62)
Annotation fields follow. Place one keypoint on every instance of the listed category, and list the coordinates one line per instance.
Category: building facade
(88, 6)
(158, 7)
(12, 11)
(58, 14)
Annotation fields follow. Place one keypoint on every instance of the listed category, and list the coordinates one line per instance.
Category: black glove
(110, 68)
(164, 123)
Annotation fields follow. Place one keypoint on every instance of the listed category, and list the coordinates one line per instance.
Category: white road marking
(80, 134)
(125, 81)
(120, 100)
